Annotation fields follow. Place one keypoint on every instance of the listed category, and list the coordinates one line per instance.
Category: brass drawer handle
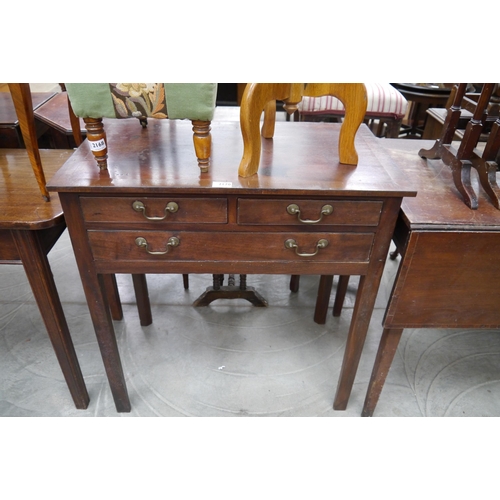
(171, 207)
(294, 209)
(290, 243)
(142, 243)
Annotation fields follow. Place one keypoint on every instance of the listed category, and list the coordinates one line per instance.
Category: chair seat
(192, 101)
(384, 101)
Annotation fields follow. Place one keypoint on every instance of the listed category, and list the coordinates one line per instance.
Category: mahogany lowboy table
(153, 211)
(449, 275)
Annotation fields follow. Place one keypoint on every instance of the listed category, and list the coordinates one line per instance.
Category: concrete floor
(233, 359)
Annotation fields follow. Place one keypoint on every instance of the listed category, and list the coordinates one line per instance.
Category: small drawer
(309, 212)
(230, 246)
(143, 209)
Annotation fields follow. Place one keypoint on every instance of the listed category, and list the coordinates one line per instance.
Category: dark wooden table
(421, 97)
(219, 223)
(29, 227)
(449, 275)
(10, 131)
(54, 115)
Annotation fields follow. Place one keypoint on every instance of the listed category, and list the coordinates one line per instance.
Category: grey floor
(233, 359)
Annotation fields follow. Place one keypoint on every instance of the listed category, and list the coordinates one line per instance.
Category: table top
(302, 158)
(8, 116)
(55, 113)
(438, 205)
(21, 203)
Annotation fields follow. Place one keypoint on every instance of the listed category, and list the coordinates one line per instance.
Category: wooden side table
(449, 275)
(29, 227)
(303, 213)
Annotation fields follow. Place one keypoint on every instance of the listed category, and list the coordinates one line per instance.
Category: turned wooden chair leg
(202, 143)
(97, 141)
(21, 96)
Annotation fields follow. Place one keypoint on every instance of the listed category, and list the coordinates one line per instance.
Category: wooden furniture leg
(75, 126)
(257, 96)
(487, 165)
(96, 137)
(73, 120)
(465, 157)
(231, 291)
(142, 299)
(323, 297)
(340, 295)
(269, 120)
(113, 295)
(36, 265)
(294, 283)
(386, 351)
(21, 95)
(324, 290)
(354, 99)
(202, 143)
(93, 285)
(354, 346)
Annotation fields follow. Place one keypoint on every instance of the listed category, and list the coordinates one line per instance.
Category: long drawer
(137, 210)
(325, 212)
(230, 246)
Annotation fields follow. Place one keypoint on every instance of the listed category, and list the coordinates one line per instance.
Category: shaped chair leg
(97, 141)
(202, 143)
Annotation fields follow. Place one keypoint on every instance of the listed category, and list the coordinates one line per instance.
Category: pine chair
(259, 97)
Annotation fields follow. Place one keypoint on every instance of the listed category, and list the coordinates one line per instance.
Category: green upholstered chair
(176, 101)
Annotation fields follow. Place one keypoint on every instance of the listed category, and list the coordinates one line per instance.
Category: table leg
(113, 295)
(340, 295)
(106, 339)
(95, 293)
(363, 307)
(323, 299)
(36, 265)
(386, 351)
(142, 298)
(294, 283)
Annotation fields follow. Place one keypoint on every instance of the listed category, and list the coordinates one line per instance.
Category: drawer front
(142, 209)
(307, 212)
(230, 246)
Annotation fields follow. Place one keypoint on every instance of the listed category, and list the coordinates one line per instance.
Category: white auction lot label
(222, 184)
(97, 145)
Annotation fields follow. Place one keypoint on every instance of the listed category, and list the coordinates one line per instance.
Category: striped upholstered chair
(177, 101)
(385, 110)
